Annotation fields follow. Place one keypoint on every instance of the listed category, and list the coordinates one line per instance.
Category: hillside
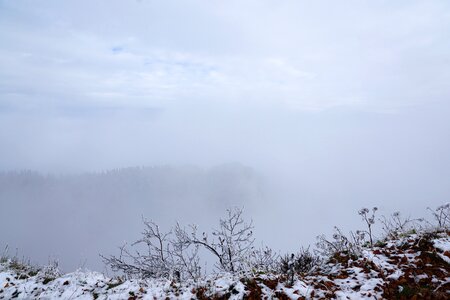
(413, 266)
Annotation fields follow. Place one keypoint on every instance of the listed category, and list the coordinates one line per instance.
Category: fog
(302, 113)
(73, 218)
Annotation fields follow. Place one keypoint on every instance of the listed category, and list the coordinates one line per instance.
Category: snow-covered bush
(264, 260)
(165, 255)
(21, 266)
(174, 254)
(50, 271)
(231, 244)
(303, 262)
(393, 226)
(442, 216)
(340, 243)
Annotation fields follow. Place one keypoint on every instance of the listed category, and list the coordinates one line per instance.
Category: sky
(339, 104)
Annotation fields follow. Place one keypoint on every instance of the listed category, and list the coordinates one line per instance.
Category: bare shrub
(51, 270)
(174, 254)
(303, 262)
(263, 259)
(350, 245)
(396, 225)
(231, 244)
(166, 255)
(21, 266)
(340, 243)
(442, 216)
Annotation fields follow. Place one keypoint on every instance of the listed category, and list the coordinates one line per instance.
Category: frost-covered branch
(166, 255)
(231, 244)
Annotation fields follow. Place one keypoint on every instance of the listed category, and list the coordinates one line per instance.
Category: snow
(358, 285)
(444, 246)
(362, 278)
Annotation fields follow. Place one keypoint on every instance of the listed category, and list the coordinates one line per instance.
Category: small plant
(4, 257)
(21, 266)
(287, 267)
(369, 219)
(303, 262)
(442, 216)
(341, 244)
(396, 225)
(263, 260)
(50, 271)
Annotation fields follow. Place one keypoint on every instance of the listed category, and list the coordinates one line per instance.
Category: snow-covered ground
(415, 265)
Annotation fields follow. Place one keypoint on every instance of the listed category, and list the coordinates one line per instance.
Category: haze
(312, 109)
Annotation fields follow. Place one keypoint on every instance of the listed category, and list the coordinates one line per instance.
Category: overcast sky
(340, 104)
(88, 85)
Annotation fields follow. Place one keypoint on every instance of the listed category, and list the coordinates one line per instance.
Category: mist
(302, 113)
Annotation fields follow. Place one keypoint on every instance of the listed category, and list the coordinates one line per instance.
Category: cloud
(304, 56)
(207, 75)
